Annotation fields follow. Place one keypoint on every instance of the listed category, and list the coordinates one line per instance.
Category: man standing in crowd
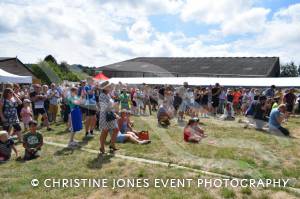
(53, 96)
(91, 107)
(289, 100)
(81, 92)
(270, 92)
(38, 100)
(183, 94)
(222, 100)
(216, 90)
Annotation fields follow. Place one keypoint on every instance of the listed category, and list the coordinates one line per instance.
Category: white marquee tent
(206, 81)
(6, 77)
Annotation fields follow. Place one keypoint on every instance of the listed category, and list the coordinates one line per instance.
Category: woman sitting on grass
(193, 132)
(126, 132)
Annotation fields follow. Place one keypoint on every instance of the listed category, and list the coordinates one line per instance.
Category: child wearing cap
(6, 146)
(32, 142)
(26, 113)
(193, 132)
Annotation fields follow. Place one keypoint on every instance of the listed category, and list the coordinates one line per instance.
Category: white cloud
(251, 21)
(279, 37)
(140, 31)
(89, 33)
(213, 11)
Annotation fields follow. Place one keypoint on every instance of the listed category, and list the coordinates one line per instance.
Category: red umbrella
(100, 76)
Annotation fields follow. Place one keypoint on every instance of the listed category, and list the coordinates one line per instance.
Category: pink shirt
(26, 115)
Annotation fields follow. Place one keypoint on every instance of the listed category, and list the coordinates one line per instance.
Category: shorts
(121, 138)
(90, 112)
(53, 108)
(215, 102)
(83, 110)
(16, 126)
(134, 103)
(38, 111)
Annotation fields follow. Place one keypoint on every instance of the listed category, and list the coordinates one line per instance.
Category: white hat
(3, 133)
(105, 85)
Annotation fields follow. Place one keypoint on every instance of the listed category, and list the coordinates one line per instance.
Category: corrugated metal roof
(247, 66)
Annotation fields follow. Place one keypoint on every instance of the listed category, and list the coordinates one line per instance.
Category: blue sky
(100, 32)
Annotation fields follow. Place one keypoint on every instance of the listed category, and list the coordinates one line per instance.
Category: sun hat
(26, 101)
(105, 84)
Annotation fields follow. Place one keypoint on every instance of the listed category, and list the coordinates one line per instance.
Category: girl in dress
(26, 114)
(75, 116)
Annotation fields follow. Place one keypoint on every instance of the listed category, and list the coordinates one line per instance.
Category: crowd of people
(107, 107)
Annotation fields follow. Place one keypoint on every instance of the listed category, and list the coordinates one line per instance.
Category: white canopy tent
(6, 77)
(206, 81)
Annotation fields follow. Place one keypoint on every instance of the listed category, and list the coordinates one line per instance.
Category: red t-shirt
(236, 97)
(186, 134)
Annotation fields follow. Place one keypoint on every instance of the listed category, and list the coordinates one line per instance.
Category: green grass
(229, 149)
(227, 193)
(246, 191)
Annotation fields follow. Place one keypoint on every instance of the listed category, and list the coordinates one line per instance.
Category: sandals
(113, 148)
(102, 151)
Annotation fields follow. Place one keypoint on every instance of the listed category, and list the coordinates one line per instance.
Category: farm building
(14, 66)
(195, 67)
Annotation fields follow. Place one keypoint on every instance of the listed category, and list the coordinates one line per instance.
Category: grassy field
(229, 149)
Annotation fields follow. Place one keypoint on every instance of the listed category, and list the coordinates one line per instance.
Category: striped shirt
(6, 147)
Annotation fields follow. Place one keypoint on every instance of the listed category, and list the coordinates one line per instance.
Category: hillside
(48, 71)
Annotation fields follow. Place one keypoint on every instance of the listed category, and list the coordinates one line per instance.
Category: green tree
(289, 70)
(64, 66)
(50, 58)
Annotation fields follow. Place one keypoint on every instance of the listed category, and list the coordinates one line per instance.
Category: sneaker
(145, 142)
(89, 135)
(73, 144)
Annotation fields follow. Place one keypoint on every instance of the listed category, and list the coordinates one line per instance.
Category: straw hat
(105, 84)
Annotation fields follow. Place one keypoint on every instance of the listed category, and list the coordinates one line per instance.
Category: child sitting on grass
(164, 115)
(6, 146)
(26, 113)
(32, 142)
(193, 132)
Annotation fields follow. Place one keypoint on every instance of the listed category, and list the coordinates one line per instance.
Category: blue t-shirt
(269, 92)
(275, 113)
(91, 99)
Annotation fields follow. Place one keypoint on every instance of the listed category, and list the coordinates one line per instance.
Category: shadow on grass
(66, 151)
(99, 161)
(85, 140)
(66, 131)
